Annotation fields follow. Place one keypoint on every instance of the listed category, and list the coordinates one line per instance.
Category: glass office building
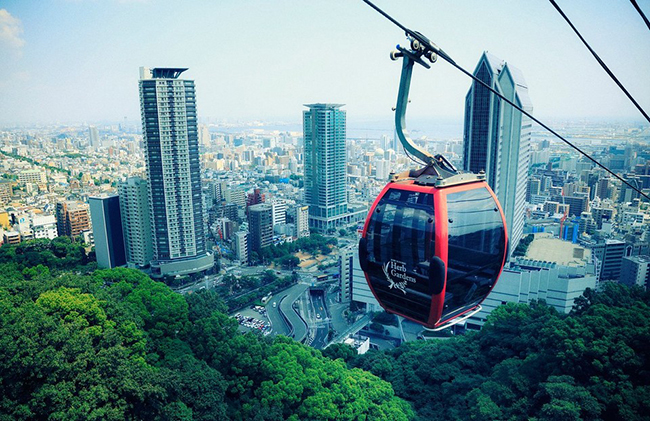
(497, 137)
(107, 231)
(325, 166)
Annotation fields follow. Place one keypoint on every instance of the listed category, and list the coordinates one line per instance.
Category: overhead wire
(638, 9)
(417, 161)
(600, 61)
(449, 60)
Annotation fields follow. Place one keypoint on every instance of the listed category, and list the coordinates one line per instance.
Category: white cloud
(10, 30)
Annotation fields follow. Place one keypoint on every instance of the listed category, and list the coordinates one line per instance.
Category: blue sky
(77, 60)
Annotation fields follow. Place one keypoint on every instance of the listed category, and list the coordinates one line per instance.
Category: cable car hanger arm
(427, 47)
(436, 165)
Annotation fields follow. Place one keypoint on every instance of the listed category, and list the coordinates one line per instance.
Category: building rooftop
(323, 105)
(161, 72)
(546, 248)
(638, 259)
(167, 72)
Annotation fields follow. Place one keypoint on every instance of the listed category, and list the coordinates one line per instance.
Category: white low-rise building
(559, 278)
(44, 227)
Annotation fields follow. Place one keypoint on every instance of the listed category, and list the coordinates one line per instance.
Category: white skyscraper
(169, 125)
(497, 138)
(241, 246)
(301, 220)
(93, 136)
(136, 222)
(346, 265)
(279, 207)
(382, 170)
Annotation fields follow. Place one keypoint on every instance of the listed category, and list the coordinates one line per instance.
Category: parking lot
(252, 319)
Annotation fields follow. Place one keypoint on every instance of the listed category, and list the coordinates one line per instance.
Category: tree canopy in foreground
(116, 345)
(530, 362)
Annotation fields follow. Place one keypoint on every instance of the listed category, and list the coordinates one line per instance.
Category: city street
(318, 319)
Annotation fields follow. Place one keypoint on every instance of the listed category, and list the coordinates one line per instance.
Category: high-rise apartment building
(325, 164)
(346, 270)
(610, 255)
(603, 188)
(5, 192)
(32, 176)
(240, 244)
(279, 207)
(255, 198)
(107, 231)
(169, 125)
(93, 136)
(635, 270)
(577, 204)
(44, 227)
(72, 218)
(602, 213)
(301, 219)
(236, 196)
(534, 188)
(497, 137)
(260, 226)
(627, 193)
(136, 221)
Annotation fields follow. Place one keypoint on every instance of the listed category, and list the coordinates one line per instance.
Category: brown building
(11, 237)
(5, 192)
(72, 218)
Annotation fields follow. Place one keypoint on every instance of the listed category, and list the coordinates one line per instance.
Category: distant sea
(364, 129)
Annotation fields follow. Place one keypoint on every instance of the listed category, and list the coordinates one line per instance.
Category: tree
(343, 351)
(254, 258)
(117, 345)
(68, 360)
(289, 261)
(203, 304)
(528, 362)
(385, 318)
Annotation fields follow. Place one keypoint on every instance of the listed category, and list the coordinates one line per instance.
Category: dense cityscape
(186, 267)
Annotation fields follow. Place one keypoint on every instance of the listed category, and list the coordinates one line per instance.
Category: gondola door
(399, 251)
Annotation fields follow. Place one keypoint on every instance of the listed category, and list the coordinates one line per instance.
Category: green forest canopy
(113, 344)
(530, 362)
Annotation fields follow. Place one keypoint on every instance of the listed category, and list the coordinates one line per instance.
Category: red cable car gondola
(434, 242)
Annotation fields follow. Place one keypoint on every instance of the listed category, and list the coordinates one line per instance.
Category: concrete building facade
(635, 270)
(260, 226)
(136, 222)
(72, 218)
(169, 125)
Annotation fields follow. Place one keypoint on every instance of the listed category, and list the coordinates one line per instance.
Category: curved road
(293, 293)
(277, 321)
